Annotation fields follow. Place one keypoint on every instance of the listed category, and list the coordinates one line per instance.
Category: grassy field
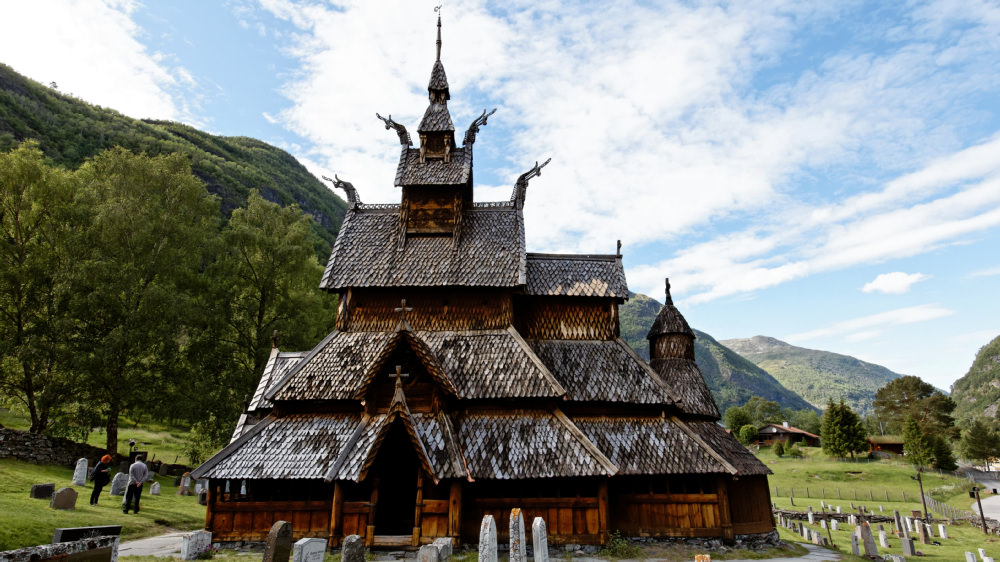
(162, 442)
(26, 522)
(816, 472)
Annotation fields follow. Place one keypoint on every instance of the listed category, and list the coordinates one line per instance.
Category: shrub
(779, 448)
(795, 451)
(619, 547)
(747, 434)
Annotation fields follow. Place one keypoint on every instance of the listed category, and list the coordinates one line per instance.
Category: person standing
(101, 476)
(137, 474)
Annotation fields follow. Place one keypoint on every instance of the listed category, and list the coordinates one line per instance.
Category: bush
(619, 547)
(794, 451)
(747, 434)
(779, 448)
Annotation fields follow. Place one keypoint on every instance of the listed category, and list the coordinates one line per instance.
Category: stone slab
(488, 540)
(64, 498)
(352, 549)
(80, 473)
(309, 550)
(278, 547)
(539, 540)
(42, 491)
(69, 534)
(194, 543)
(118, 484)
(154, 489)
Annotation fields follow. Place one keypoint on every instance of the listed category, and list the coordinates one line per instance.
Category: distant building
(886, 444)
(789, 435)
(500, 381)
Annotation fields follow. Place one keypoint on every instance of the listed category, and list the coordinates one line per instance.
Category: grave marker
(868, 540)
(42, 491)
(278, 547)
(539, 540)
(118, 484)
(352, 549)
(883, 539)
(518, 542)
(488, 540)
(854, 545)
(64, 498)
(310, 550)
(908, 549)
(942, 531)
(80, 473)
(194, 543)
(970, 557)
(155, 489)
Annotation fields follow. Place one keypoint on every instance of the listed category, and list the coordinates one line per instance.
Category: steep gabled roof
(575, 275)
(424, 355)
(334, 369)
(366, 254)
(684, 378)
(728, 448)
(669, 320)
(457, 170)
(595, 370)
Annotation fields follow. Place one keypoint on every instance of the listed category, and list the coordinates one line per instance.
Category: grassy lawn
(818, 473)
(27, 522)
(162, 442)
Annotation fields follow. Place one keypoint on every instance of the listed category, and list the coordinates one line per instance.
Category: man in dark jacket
(100, 476)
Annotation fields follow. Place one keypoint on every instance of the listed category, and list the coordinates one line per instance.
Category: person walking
(137, 474)
(101, 476)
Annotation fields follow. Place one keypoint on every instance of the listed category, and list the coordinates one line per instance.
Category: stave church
(467, 376)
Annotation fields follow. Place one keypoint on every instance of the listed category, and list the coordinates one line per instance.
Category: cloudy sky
(827, 173)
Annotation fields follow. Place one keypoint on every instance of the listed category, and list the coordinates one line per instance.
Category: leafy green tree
(795, 451)
(918, 446)
(842, 433)
(944, 459)
(145, 249)
(748, 434)
(779, 448)
(37, 224)
(736, 417)
(910, 396)
(763, 411)
(980, 442)
(804, 419)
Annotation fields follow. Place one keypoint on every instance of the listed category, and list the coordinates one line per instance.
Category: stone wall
(40, 449)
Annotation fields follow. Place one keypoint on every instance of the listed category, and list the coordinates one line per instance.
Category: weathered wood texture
(566, 318)
(751, 506)
(431, 211)
(251, 521)
(569, 520)
(676, 346)
(365, 311)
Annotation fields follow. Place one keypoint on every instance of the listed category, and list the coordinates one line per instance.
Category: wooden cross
(399, 375)
(402, 310)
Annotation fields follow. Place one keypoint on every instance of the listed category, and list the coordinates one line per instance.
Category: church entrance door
(396, 468)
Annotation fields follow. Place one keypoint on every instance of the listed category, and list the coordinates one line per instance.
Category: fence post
(904, 495)
(838, 494)
(807, 492)
(870, 496)
(887, 495)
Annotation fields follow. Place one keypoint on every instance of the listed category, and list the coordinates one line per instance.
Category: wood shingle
(575, 275)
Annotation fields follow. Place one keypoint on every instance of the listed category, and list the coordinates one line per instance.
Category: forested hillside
(731, 378)
(69, 131)
(817, 376)
(977, 393)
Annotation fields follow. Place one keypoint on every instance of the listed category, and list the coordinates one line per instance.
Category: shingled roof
(366, 254)
(669, 320)
(594, 370)
(434, 171)
(575, 275)
(684, 378)
(729, 448)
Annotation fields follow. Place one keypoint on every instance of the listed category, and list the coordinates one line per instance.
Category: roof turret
(437, 118)
(669, 320)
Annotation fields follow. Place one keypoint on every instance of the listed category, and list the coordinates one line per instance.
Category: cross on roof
(399, 373)
(402, 310)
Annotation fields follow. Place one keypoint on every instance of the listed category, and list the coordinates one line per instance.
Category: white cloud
(866, 327)
(94, 51)
(895, 283)
(990, 272)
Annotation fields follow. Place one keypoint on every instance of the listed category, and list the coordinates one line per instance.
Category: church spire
(438, 10)
(436, 130)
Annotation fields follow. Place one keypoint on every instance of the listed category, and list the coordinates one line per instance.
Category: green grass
(817, 472)
(27, 522)
(162, 442)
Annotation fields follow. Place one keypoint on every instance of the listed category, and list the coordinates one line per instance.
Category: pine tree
(979, 442)
(842, 433)
(918, 447)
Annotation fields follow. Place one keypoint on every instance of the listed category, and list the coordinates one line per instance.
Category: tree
(145, 248)
(37, 223)
(842, 433)
(910, 396)
(804, 419)
(779, 448)
(763, 411)
(748, 434)
(980, 442)
(943, 457)
(736, 417)
(918, 447)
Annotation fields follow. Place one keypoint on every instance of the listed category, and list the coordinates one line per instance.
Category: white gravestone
(154, 489)
(812, 518)
(970, 557)
(982, 553)
(942, 531)
(518, 542)
(194, 543)
(80, 473)
(822, 524)
(838, 509)
(310, 550)
(854, 545)
(988, 559)
(871, 551)
(883, 539)
(835, 524)
(539, 540)
(118, 484)
(488, 540)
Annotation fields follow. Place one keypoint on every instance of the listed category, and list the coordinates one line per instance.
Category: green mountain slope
(731, 378)
(816, 375)
(69, 131)
(977, 393)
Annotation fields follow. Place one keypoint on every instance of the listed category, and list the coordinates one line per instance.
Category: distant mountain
(816, 375)
(69, 131)
(731, 378)
(977, 393)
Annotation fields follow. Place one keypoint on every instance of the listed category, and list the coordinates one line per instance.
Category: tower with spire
(465, 371)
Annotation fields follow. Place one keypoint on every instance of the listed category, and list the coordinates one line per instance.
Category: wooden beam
(602, 510)
(373, 503)
(418, 510)
(337, 514)
(209, 514)
(725, 516)
(455, 511)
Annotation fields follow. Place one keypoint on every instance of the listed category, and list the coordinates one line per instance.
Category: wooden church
(467, 376)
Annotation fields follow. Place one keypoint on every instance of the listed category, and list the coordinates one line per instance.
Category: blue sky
(827, 173)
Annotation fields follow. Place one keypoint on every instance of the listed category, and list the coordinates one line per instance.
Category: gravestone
(854, 545)
(310, 550)
(198, 486)
(155, 489)
(982, 553)
(64, 498)
(488, 540)
(70, 534)
(881, 509)
(353, 549)
(445, 548)
(838, 509)
(908, 549)
(164, 469)
(970, 557)
(539, 540)
(278, 547)
(518, 542)
(194, 543)
(942, 531)
(80, 473)
(185, 485)
(883, 539)
(203, 497)
(822, 523)
(868, 540)
(42, 491)
(897, 520)
(929, 530)
(922, 532)
(812, 518)
(988, 559)
(835, 524)
(118, 484)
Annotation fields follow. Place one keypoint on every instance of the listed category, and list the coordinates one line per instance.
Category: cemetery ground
(870, 480)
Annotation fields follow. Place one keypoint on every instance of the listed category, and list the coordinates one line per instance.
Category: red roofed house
(772, 433)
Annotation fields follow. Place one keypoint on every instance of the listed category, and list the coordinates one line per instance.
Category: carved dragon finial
(404, 136)
(521, 187)
(470, 133)
(352, 194)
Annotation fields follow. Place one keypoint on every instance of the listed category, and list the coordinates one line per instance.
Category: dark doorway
(396, 468)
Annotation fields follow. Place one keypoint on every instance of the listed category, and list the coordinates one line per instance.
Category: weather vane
(438, 8)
